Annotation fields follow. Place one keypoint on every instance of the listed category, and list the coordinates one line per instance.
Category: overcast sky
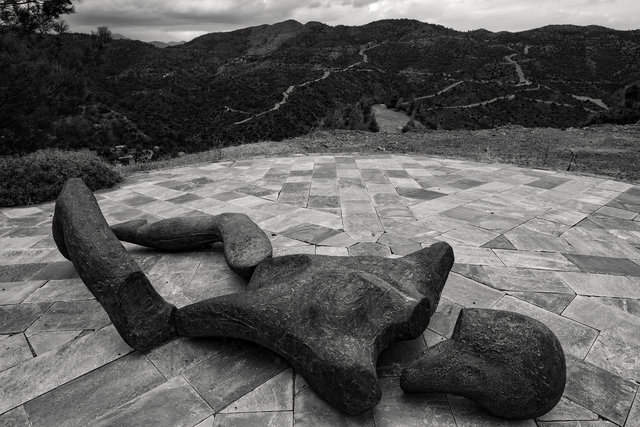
(175, 20)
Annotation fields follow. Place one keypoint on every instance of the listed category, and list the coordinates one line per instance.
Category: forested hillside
(287, 79)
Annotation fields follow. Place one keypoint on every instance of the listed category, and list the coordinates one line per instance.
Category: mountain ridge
(270, 82)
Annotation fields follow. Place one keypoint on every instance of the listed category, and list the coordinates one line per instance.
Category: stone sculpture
(245, 244)
(330, 317)
(141, 316)
(510, 364)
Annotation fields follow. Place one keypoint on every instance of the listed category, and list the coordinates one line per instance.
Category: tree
(30, 16)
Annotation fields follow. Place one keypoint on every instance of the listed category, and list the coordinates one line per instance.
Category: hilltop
(272, 82)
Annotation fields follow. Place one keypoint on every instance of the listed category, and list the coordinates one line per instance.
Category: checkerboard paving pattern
(561, 248)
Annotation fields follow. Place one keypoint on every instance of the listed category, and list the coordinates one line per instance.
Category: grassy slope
(607, 150)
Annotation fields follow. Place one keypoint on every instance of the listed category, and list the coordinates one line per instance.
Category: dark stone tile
(597, 264)
(185, 198)
(173, 403)
(295, 187)
(57, 271)
(255, 191)
(631, 207)
(374, 176)
(15, 418)
(71, 316)
(92, 395)
(614, 223)
(588, 223)
(310, 233)
(387, 199)
(15, 319)
(500, 242)
(227, 196)
(397, 173)
(172, 184)
(598, 390)
(320, 202)
(547, 183)
(228, 375)
(634, 191)
(465, 184)
(413, 193)
(553, 302)
(301, 172)
(19, 272)
(138, 201)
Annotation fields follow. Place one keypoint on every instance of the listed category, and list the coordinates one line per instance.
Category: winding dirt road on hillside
(523, 81)
(327, 73)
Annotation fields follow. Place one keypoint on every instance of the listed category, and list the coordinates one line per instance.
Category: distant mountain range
(282, 80)
(117, 36)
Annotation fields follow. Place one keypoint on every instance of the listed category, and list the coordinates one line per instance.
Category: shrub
(39, 177)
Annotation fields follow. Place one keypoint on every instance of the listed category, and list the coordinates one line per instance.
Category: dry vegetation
(607, 150)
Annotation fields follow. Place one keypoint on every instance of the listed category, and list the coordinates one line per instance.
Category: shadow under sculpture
(330, 317)
(508, 363)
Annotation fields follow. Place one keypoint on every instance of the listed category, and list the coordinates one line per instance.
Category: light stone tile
(14, 350)
(16, 292)
(576, 338)
(37, 376)
(468, 413)
(332, 251)
(478, 256)
(538, 260)
(526, 280)
(41, 342)
(397, 408)
(567, 410)
(529, 241)
(603, 285)
(469, 293)
(471, 235)
(174, 403)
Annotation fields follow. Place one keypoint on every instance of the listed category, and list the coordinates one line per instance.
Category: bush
(39, 177)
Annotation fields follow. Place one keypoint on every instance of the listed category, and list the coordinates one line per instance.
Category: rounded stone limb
(245, 244)
(508, 363)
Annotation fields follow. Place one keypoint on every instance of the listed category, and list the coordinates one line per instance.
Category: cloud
(166, 20)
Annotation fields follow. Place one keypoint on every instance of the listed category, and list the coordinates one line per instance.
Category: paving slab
(561, 248)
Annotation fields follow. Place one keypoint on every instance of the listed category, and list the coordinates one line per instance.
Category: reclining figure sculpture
(330, 317)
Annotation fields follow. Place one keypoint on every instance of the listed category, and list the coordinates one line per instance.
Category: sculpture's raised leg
(330, 317)
(141, 316)
(510, 364)
(245, 244)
